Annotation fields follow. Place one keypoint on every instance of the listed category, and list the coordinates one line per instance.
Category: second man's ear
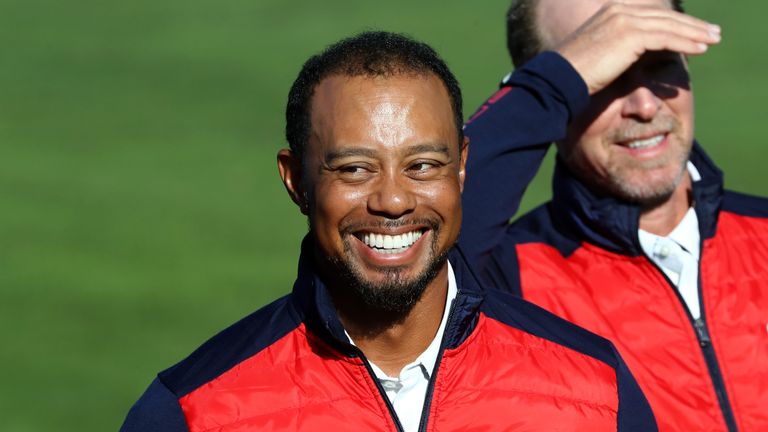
(290, 168)
(463, 162)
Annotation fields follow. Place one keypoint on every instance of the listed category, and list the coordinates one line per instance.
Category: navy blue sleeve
(509, 137)
(157, 410)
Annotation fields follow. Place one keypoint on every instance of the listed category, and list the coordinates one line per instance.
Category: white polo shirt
(408, 390)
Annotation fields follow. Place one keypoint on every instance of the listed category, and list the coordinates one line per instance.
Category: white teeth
(650, 142)
(391, 244)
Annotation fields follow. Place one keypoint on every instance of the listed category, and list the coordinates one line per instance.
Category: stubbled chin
(647, 184)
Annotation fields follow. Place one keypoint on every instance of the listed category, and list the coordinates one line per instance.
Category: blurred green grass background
(140, 207)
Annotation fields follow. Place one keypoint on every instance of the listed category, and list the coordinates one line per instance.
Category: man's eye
(422, 166)
(354, 173)
(352, 169)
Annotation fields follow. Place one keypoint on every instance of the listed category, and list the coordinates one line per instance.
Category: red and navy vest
(504, 364)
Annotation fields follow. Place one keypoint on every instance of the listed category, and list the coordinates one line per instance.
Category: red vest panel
(627, 300)
(500, 378)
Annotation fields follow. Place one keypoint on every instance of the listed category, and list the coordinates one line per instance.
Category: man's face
(384, 175)
(636, 135)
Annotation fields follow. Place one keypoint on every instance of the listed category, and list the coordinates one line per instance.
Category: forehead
(364, 110)
(558, 18)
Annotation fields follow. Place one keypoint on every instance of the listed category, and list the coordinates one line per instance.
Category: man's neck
(395, 346)
(662, 219)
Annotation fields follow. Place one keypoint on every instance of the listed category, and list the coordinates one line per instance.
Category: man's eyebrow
(332, 155)
(427, 148)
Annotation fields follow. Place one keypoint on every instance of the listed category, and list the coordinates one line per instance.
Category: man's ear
(289, 166)
(463, 162)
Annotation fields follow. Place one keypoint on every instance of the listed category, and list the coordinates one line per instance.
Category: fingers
(665, 33)
(674, 41)
(678, 27)
(652, 9)
(619, 34)
(650, 18)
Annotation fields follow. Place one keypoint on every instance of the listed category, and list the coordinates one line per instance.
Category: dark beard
(376, 307)
(395, 296)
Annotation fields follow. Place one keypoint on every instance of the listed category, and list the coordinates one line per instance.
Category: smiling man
(640, 243)
(386, 328)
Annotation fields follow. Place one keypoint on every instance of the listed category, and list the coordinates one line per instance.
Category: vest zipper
(382, 392)
(714, 372)
(431, 385)
(705, 343)
(701, 332)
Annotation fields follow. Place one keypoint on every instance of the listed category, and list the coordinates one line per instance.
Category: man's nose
(641, 103)
(392, 197)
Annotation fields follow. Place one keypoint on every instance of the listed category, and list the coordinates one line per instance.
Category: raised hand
(619, 33)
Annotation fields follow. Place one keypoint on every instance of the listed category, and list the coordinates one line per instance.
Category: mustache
(353, 226)
(633, 129)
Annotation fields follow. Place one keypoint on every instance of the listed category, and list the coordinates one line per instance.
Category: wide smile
(390, 244)
(646, 143)
(385, 249)
(649, 146)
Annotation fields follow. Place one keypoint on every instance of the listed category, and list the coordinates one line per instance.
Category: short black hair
(523, 37)
(373, 54)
